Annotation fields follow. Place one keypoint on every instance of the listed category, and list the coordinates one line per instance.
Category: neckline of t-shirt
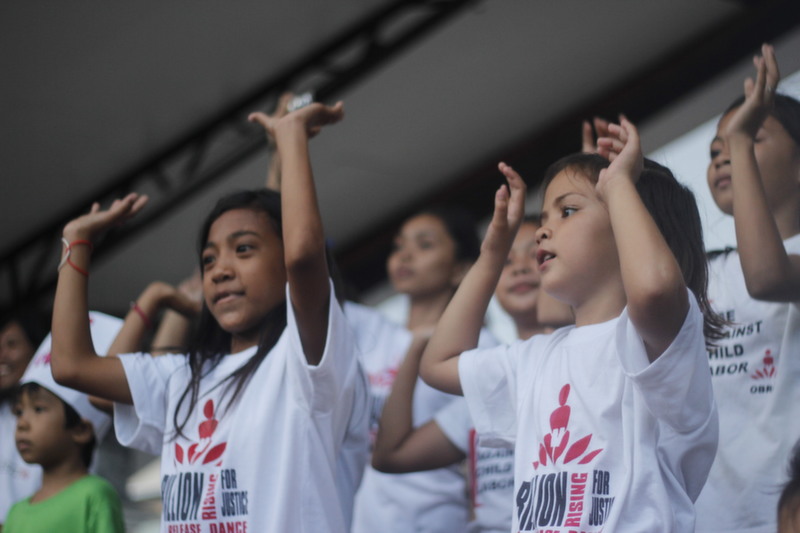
(589, 331)
(247, 352)
(64, 492)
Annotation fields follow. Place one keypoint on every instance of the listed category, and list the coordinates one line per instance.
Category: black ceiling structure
(224, 141)
(203, 156)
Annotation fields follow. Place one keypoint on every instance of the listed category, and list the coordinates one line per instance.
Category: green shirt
(90, 505)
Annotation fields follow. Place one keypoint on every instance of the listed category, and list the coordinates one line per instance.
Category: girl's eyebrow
(425, 233)
(236, 234)
(560, 199)
(232, 237)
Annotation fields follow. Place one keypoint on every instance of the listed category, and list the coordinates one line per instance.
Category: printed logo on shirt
(565, 494)
(204, 451)
(380, 384)
(206, 500)
(490, 470)
(764, 374)
(728, 357)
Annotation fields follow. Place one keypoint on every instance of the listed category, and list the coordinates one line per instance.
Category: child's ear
(82, 433)
(460, 270)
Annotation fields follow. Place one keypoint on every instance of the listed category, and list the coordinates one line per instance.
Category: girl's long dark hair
(674, 210)
(211, 343)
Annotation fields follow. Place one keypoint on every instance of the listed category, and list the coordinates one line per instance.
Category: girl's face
(778, 159)
(577, 254)
(244, 275)
(16, 351)
(518, 287)
(41, 430)
(423, 260)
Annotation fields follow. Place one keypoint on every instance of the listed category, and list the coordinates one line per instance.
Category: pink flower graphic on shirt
(556, 444)
(205, 450)
(768, 370)
(383, 378)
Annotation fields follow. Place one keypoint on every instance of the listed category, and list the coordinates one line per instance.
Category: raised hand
(759, 95)
(313, 117)
(89, 226)
(159, 295)
(191, 290)
(589, 145)
(509, 210)
(622, 147)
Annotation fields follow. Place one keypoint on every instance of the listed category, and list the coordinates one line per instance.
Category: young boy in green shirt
(58, 428)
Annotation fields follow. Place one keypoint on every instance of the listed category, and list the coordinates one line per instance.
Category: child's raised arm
(174, 326)
(74, 360)
(400, 447)
(172, 330)
(655, 291)
(303, 235)
(769, 272)
(459, 327)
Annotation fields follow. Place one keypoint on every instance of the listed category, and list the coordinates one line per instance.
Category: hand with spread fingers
(98, 220)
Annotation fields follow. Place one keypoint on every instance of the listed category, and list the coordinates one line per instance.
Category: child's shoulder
(95, 486)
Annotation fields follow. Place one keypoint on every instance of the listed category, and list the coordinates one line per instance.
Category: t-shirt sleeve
(324, 384)
(455, 422)
(10, 520)
(488, 380)
(142, 424)
(105, 512)
(677, 386)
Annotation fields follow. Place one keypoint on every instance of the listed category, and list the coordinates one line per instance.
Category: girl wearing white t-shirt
(450, 437)
(431, 252)
(753, 175)
(612, 420)
(254, 423)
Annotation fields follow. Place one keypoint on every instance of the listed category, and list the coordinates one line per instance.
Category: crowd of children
(652, 387)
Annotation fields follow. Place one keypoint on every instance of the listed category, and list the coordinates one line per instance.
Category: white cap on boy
(104, 329)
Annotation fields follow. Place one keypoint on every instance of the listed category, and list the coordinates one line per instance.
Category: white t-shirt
(604, 440)
(755, 372)
(278, 459)
(430, 501)
(490, 471)
(18, 479)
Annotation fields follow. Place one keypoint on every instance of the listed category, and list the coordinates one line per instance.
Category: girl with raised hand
(252, 421)
(753, 175)
(181, 304)
(431, 253)
(450, 437)
(612, 420)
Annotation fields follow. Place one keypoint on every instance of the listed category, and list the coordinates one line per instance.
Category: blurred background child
(450, 437)
(19, 337)
(58, 429)
(754, 175)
